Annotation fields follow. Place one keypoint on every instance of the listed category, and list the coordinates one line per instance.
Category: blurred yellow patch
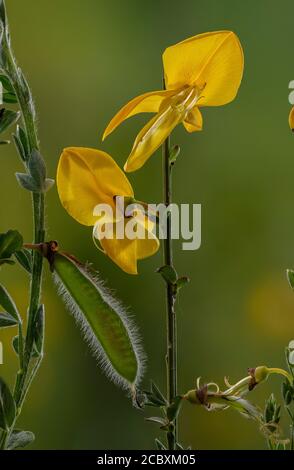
(271, 309)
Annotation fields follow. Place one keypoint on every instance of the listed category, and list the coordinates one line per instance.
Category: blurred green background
(84, 59)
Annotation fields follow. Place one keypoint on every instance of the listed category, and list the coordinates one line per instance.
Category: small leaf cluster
(169, 413)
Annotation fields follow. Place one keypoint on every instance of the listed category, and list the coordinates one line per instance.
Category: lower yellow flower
(87, 178)
(205, 70)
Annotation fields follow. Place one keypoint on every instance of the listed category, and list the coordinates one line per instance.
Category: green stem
(23, 93)
(171, 356)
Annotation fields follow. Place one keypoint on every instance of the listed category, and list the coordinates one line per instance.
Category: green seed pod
(106, 328)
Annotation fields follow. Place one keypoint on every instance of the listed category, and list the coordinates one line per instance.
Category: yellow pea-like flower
(291, 119)
(205, 70)
(88, 177)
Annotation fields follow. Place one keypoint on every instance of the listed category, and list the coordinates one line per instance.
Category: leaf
(21, 137)
(10, 242)
(153, 401)
(174, 153)
(6, 83)
(7, 118)
(182, 281)
(39, 328)
(168, 273)
(244, 407)
(4, 142)
(7, 320)
(27, 182)
(8, 304)
(159, 445)
(3, 13)
(157, 420)
(7, 406)
(179, 446)
(36, 180)
(15, 344)
(157, 393)
(173, 409)
(290, 277)
(37, 168)
(19, 439)
(9, 97)
(24, 258)
(19, 147)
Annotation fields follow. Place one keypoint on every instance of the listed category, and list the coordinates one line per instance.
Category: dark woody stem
(171, 323)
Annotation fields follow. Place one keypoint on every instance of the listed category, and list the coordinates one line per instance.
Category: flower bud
(258, 374)
(261, 374)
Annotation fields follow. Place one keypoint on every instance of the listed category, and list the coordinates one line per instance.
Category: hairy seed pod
(104, 323)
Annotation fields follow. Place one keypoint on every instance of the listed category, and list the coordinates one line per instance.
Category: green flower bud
(261, 374)
(191, 397)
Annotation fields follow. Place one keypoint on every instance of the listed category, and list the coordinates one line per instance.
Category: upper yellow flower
(205, 70)
(88, 177)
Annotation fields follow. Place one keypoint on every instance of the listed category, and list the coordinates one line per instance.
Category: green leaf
(290, 277)
(179, 446)
(3, 13)
(27, 182)
(39, 328)
(24, 258)
(21, 143)
(157, 420)
(287, 392)
(7, 406)
(168, 273)
(182, 281)
(174, 153)
(37, 168)
(6, 83)
(9, 97)
(19, 439)
(10, 242)
(15, 344)
(7, 320)
(7, 118)
(36, 180)
(157, 393)
(8, 304)
(174, 408)
(159, 445)
(152, 401)
(19, 147)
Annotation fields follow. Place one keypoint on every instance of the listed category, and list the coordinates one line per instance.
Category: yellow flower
(291, 119)
(205, 70)
(88, 177)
